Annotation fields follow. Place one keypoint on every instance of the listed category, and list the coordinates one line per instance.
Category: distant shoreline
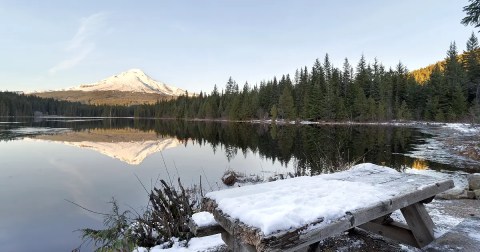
(257, 121)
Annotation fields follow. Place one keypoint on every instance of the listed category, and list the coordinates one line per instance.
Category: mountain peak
(132, 80)
(136, 71)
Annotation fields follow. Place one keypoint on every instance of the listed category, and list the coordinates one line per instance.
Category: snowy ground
(10, 122)
(206, 244)
(452, 144)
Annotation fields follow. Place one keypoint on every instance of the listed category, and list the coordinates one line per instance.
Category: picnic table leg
(234, 244)
(420, 223)
(394, 230)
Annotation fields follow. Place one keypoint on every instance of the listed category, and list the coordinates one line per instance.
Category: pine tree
(285, 104)
(471, 65)
(274, 112)
(454, 76)
(403, 113)
(371, 113)
(314, 95)
(473, 13)
(362, 77)
(360, 106)
(431, 108)
(346, 78)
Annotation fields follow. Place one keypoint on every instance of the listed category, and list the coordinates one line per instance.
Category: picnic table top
(268, 214)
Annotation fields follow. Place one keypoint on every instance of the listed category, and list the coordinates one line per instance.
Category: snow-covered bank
(453, 144)
(10, 122)
(465, 128)
(388, 123)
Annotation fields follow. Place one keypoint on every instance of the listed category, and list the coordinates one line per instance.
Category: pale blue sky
(198, 43)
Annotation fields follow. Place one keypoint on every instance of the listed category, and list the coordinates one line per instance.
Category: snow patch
(10, 122)
(474, 235)
(443, 222)
(204, 219)
(463, 127)
(407, 248)
(196, 244)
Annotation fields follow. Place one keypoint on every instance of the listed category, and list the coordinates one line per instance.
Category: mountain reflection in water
(313, 149)
(131, 146)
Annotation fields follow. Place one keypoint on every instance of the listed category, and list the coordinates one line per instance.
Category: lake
(47, 163)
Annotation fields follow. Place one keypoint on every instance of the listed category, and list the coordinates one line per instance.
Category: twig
(211, 189)
(84, 208)
(201, 189)
(144, 188)
(138, 214)
(166, 168)
(175, 165)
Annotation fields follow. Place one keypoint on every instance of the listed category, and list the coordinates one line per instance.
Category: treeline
(422, 75)
(15, 104)
(367, 93)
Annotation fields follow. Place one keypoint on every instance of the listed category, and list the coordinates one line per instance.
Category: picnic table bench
(292, 214)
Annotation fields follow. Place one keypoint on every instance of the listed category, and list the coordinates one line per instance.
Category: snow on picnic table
(296, 202)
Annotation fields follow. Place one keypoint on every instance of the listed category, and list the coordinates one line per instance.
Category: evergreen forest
(367, 92)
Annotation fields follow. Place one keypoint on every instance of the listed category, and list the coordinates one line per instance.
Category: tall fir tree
(471, 64)
(454, 76)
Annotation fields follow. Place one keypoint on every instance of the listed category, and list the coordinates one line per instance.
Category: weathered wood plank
(235, 244)
(393, 230)
(420, 223)
(204, 230)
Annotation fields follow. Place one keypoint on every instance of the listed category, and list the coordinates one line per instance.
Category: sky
(195, 44)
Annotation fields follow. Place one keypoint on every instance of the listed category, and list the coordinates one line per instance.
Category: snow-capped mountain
(133, 80)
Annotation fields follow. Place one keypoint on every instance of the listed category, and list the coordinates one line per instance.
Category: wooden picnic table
(381, 191)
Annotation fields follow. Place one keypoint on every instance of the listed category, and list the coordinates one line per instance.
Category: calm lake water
(45, 163)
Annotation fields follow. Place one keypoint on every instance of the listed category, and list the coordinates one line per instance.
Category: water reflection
(131, 146)
(314, 149)
(42, 163)
(420, 164)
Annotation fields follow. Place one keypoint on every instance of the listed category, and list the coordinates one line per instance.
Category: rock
(477, 194)
(474, 181)
(456, 193)
(469, 194)
(453, 193)
(466, 195)
(229, 178)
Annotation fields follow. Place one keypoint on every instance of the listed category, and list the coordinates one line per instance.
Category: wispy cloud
(82, 43)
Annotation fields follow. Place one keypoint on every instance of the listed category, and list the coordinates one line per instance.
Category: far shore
(259, 121)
